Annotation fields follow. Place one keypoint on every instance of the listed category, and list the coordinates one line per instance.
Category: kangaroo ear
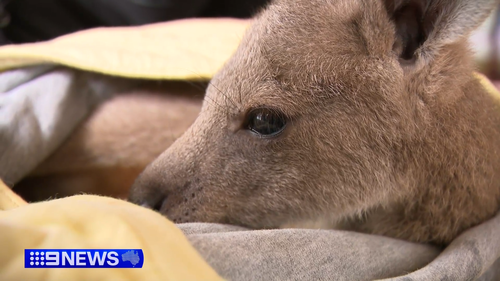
(425, 26)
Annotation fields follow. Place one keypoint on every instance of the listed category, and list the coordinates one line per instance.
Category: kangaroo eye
(265, 122)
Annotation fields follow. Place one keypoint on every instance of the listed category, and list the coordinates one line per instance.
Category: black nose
(156, 203)
(148, 193)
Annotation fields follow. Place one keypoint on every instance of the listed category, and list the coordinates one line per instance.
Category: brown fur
(386, 134)
(109, 150)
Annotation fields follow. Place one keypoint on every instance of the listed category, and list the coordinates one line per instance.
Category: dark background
(23, 21)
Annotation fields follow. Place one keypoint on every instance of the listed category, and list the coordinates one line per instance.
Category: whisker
(224, 95)
(240, 94)
(214, 102)
(198, 84)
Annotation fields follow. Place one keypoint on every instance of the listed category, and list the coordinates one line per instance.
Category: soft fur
(388, 133)
(109, 150)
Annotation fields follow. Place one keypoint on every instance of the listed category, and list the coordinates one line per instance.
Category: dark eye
(265, 122)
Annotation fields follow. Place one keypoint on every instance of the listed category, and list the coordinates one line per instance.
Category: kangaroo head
(331, 109)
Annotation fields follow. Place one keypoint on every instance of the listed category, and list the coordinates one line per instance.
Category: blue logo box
(83, 258)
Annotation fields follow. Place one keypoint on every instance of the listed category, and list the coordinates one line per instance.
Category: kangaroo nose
(148, 193)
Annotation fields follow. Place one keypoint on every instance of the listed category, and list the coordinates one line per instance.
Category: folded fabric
(300, 254)
(94, 222)
(39, 107)
(183, 49)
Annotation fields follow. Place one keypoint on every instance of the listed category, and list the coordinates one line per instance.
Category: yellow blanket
(94, 222)
(186, 49)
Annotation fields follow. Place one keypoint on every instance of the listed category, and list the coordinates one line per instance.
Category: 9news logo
(130, 258)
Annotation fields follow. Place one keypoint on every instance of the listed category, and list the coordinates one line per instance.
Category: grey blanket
(301, 254)
(40, 106)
